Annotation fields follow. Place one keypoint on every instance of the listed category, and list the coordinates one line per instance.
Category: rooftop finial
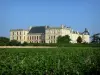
(86, 29)
(62, 26)
(86, 32)
(46, 26)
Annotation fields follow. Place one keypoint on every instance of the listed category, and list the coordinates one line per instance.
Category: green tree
(4, 41)
(14, 43)
(67, 39)
(59, 39)
(24, 44)
(79, 39)
(63, 39)
(96, 38)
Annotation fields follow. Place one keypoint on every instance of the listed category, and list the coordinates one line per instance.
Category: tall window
(13, 38)
(49, 37)
(20, 33)
(54, 41)
(17, 37)
(17, 33)
(13, 33)
(54, 37)
(51, 41)
(37, 37)
(33, 37)
(30, 37)
(24, 37)
(20, 37)
(24, 33)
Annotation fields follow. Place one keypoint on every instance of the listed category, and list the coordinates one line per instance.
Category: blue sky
(78, 14)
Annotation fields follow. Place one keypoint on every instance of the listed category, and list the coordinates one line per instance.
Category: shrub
(4, 41)
(14, 43)
(63, 39)
(24, 44)
(79, 40)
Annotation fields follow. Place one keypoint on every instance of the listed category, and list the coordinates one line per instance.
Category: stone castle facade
(46, 34)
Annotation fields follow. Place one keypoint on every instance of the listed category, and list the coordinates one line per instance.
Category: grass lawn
(50, 61)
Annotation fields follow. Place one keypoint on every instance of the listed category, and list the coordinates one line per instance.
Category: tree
(67, 39)
(59, 39)
(96, 38)
(79, 40)
(24, 44)
(14, 43)
(63, 39)
(4, 41)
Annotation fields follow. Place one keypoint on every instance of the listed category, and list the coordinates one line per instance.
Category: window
(54, 37)
(34, 37)
(24, 37)
(17, 37)
(37, 37)
(49, 37)
(17, 33)
(20, 37)
(13, 38)
(54, 41)
(50, 31)
(24, 33)
(30, 37)
(13, 33)
(20, 33)
(39, 41)
(51, 41)
(42, 41)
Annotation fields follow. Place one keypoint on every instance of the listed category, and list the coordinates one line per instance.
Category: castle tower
(85, 36)
(86, 32)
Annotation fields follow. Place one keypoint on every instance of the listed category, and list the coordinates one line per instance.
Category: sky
(77, 14)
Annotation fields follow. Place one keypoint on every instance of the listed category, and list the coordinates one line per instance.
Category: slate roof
(37, 29)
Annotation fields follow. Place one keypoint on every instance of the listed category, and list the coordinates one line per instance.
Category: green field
(50, 61)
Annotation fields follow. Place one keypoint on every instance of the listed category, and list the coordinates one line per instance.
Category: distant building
(46, 34)
(19, 35)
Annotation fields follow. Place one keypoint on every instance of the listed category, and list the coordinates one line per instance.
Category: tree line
(61, 41)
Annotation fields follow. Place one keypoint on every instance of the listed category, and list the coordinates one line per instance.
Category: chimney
(46, 26)
(62, 26)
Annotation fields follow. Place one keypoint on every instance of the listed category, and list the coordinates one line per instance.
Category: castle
(47, 34)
